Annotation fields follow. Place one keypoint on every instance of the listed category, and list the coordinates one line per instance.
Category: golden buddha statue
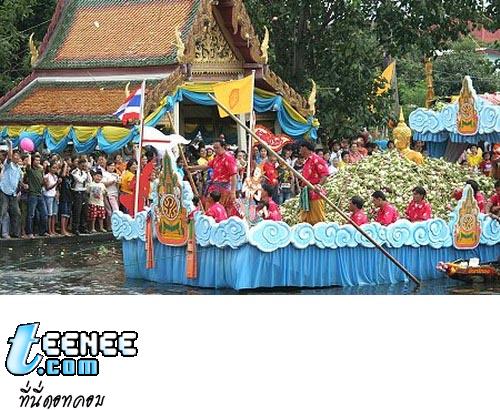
(402, 139)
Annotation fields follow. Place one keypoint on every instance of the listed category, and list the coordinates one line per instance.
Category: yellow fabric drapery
(83, 134)
(58, 132)
(114, 134)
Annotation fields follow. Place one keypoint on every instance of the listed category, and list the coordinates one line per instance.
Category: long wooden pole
(311, 186)
(139, 154)
(186, 165)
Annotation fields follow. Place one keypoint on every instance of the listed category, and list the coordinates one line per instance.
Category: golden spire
(312, 98)
(402, 133)
(33, 50)
(264, 48)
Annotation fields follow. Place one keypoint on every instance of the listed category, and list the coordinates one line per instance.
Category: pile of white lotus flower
(397, 177)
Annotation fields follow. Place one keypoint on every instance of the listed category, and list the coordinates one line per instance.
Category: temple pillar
(242, 135)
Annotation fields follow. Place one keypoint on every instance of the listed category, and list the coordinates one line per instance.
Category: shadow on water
(95, 268)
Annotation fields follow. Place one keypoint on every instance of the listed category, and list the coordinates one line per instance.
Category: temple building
(97, 51)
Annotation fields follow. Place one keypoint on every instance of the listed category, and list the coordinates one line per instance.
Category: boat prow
(471, 271)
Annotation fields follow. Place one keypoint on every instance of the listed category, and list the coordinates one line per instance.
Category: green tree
(18, 19)
(462, 60)
(344, 46)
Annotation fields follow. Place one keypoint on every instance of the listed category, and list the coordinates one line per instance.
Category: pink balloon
(27, 145)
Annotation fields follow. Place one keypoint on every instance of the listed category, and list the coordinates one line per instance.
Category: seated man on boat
(216, 210)
(387, 213)
(419, 209)
(267, 208)
(315, 170)
(358, 215)
(493, 205)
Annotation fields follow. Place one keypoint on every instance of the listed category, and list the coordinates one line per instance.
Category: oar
(311, 186)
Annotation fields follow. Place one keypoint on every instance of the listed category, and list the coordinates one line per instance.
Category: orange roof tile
(106, 33)
(55, 102)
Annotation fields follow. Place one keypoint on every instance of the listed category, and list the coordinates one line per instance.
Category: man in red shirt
(224, 178)
(315, 170)
(419, 209)
(493, 205)
(216, 210)
(387, 213)
(357, 213)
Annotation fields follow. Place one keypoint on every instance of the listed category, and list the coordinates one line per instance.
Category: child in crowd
(267, 208)
(486, 165)
(216, 210)
(344, 160)
(49, 191)
(97, 192)
(111, 181)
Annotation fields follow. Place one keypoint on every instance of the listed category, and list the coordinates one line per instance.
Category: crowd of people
(72, 195)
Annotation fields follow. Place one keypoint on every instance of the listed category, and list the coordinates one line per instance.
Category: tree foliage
(18, 19)
(344, 45)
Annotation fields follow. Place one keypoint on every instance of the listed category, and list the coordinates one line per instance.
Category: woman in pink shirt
(387, 214)
(216, 210)
(357, 213)
(354, 154)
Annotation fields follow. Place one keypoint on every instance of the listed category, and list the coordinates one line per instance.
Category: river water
(95, 268)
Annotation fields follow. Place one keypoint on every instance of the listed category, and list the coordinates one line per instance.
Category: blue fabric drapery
(249, 268)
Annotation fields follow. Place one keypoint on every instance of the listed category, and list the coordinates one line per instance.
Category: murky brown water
(95, 268)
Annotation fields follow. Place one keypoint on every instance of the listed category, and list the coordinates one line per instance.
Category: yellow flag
(236, 95)
(387, 75)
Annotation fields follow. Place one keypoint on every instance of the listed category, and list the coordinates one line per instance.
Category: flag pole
(139, 152)
(323, 196)
(252, 126)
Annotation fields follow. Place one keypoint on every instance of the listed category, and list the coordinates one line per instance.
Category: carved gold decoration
(288, 93)
(264, 47)
(212, 47)
(241, 22)
(33, 51)
(179, 44)
(312, 98)
(163, 89)
(127, 90)
(468, 117)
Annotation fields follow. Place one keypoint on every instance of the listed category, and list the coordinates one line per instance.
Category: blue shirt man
(9, 201)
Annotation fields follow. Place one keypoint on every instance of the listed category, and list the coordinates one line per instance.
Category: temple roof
(94, 47)
(66, 103)
(115, 33)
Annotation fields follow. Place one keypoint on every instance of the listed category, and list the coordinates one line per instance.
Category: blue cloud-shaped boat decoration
(269, 236)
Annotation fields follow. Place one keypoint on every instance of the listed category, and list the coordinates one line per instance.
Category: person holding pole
(224, 178)
(316, 172)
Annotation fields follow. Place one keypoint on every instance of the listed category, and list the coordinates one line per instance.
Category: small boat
(471, 270)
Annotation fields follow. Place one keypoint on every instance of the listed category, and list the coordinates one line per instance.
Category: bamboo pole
(311, 186)
(186, 165)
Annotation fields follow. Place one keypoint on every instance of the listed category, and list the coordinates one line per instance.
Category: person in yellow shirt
(126, 185)
(344, 160)
(474, 156)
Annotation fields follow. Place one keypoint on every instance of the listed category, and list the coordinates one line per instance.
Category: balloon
(27, 145)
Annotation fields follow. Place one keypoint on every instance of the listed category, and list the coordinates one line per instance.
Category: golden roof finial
(312, 98)
(127, 90)
(264, 48)
(181, 48)
(33, 50)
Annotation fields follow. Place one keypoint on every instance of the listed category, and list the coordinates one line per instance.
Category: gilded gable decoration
(264, 48)
(163, 89)
(179, 44)
(241, 22)
(33, 50)
(212, 47)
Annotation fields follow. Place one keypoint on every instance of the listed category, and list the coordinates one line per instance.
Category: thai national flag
(131, 108)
